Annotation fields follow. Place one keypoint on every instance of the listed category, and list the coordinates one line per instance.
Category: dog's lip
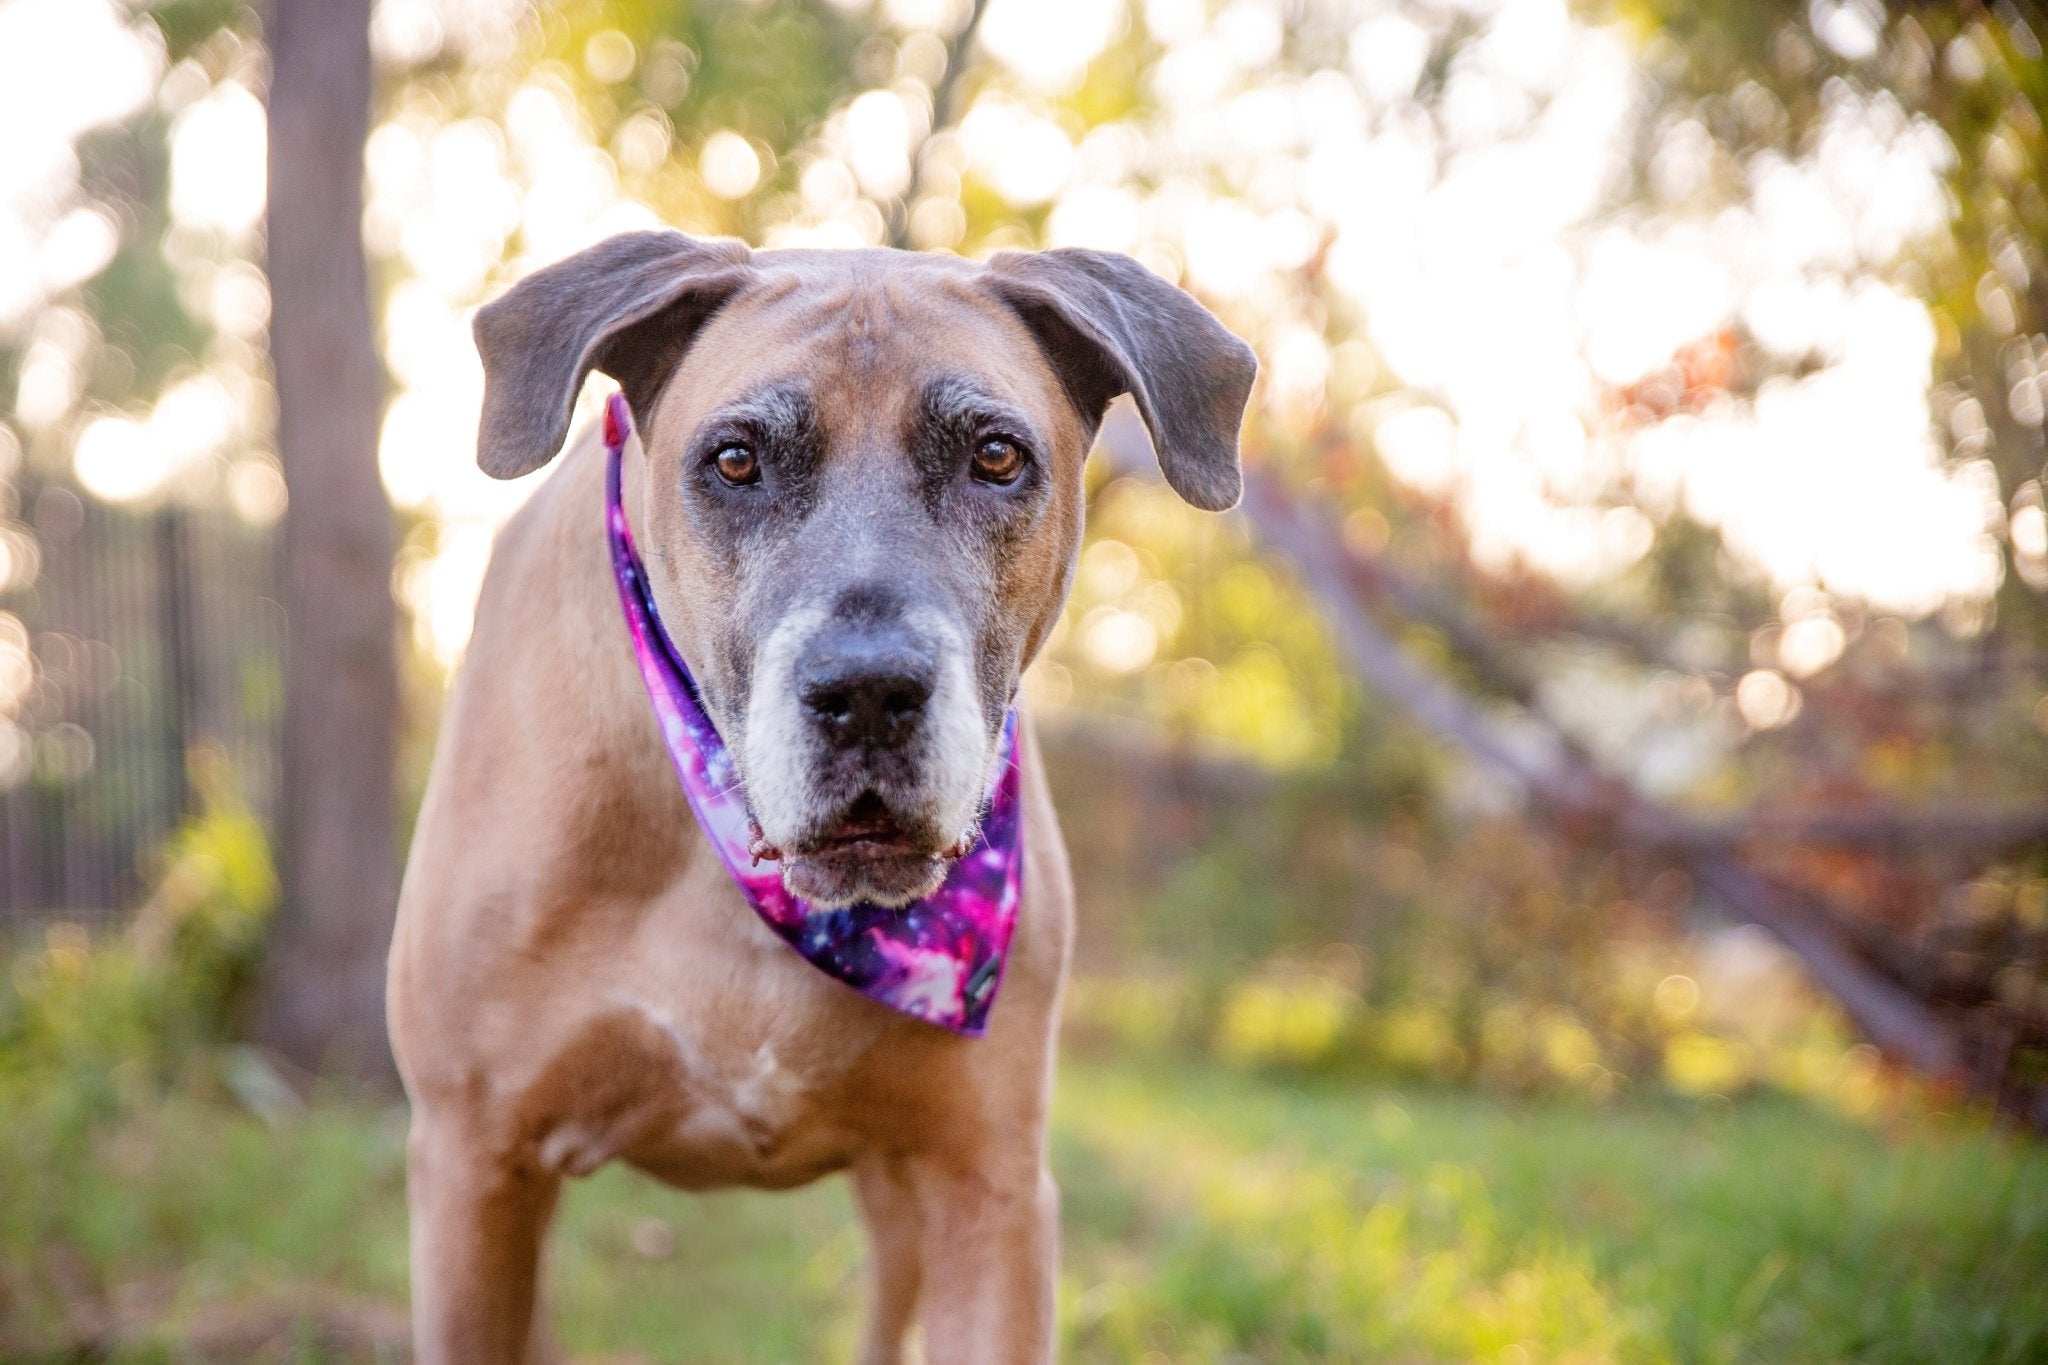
(881, 831)
(867, 830)
(868, 839)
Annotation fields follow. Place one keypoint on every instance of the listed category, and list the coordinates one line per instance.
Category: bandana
(939, 959)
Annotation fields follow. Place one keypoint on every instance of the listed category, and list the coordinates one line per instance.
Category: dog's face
(863, 491)
(860, 500)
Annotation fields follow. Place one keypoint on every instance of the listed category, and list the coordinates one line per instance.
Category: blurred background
(1563, 870)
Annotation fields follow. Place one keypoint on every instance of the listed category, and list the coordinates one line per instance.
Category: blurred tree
(323, 992)
(1940, 902)
(140, 409)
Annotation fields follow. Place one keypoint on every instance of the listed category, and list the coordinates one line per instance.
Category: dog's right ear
(627, 306)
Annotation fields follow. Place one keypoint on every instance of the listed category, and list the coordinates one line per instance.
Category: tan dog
(870, 456)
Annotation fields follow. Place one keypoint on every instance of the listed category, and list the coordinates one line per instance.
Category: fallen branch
(1976, 829)
(1563, 788)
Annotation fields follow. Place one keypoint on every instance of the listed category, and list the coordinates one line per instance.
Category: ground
(1210, 1215)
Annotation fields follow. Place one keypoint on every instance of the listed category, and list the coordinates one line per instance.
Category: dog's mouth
(866, 854)
(867, 829)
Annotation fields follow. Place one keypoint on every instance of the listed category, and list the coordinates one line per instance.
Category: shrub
(88, 1024)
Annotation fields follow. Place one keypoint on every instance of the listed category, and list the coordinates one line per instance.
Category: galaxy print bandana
(939, 959)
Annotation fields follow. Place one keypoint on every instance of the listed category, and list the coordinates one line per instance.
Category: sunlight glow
(729, 164)
(1765, 699)
(1049, 43)
(878, 132)
(115, 461)
(1025, 157)
(127, 461)
(77, 247)
(44, 106)
(1118, 641)
(1834, 479)
(1505, 335)
(17, 664)
(217, 170)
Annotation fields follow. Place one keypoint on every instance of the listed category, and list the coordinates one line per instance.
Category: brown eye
(998, 460)
(737, 466)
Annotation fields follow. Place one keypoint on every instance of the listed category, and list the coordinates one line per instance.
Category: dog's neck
(574, 658)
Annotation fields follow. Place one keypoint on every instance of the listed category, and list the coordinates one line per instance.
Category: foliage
(1209, 1216)
(92, 1028)
(1953, 707)
(1341, 923)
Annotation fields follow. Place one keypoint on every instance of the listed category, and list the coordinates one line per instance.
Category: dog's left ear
(1111, 326)
(627, 306)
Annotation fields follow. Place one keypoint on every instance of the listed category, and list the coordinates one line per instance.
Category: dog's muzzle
(865, 753)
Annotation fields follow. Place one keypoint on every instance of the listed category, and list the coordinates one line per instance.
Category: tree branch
(1563, 788)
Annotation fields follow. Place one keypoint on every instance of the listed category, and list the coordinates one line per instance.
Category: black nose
(866, 687)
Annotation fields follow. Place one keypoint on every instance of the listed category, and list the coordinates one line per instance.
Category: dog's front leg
(895, 1227)
(990, 1251)
(476, 1243)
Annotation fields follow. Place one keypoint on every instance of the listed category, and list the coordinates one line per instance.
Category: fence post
(175, 654)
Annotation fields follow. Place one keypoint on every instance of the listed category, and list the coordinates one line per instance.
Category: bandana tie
(939, 959)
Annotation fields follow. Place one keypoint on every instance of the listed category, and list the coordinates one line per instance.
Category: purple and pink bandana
(939, 959)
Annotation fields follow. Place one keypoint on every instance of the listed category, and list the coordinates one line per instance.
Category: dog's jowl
(849, 494)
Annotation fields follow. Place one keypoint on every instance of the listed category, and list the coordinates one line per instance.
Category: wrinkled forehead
(866, 343)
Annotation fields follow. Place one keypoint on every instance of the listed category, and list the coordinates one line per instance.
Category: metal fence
(153, 636)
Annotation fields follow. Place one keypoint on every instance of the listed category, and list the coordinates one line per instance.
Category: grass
(1209, 1215)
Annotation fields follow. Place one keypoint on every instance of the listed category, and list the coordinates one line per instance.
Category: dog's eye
(998, 460)
(737, 465)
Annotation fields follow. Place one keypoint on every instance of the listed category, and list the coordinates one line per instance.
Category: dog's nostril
(908, 695)
(830, 704)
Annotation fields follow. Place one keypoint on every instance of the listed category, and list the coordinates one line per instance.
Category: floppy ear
(627, 306)
(1111, 326)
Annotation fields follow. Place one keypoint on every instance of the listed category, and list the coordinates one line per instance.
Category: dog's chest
(689, 1040)
(697, 1102)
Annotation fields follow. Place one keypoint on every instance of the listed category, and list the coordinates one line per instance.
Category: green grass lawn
(1209, 1216)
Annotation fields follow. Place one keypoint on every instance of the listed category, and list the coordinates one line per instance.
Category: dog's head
(860, 502)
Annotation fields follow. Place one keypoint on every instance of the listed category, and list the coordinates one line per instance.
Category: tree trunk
(322, 998)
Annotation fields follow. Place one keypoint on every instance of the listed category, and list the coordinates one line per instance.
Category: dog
(866, 463)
